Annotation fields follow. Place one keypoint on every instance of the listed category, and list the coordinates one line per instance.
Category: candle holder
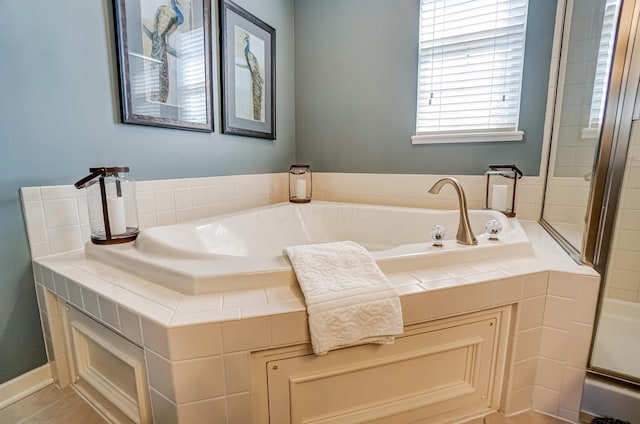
(111, 200)
(300, 183)
(501, 188)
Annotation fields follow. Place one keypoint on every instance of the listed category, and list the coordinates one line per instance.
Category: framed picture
(164, 62)
(247, 57)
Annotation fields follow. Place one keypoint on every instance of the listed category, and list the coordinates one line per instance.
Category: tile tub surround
(57, 220)
(197, 348)
(554, 298)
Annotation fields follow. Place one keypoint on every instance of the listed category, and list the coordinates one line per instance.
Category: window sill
(478, 137)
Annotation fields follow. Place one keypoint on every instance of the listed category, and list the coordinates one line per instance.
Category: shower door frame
(609, 164)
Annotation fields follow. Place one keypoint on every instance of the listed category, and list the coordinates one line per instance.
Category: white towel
(349, 299)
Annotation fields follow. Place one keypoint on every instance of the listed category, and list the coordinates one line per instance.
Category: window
(603, 66)
(470, 70)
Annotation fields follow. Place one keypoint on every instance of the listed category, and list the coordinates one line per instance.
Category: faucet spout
(464, 235)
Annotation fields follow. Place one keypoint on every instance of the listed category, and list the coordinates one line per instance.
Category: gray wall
(59, 115)
(356, 71)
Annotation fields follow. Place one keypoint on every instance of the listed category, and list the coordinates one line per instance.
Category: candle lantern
(111, 199)
(300, 188)
(501, 188)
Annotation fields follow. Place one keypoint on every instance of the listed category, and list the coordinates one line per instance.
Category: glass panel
(585, 63)
(617, 343)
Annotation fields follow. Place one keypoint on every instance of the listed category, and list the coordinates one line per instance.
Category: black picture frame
(164, 63)
(248, 91)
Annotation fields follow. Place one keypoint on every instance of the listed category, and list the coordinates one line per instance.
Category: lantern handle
(96, 172)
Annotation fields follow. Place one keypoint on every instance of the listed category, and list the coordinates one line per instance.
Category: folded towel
(349, 299)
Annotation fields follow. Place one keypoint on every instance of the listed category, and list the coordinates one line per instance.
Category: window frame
(495, 134)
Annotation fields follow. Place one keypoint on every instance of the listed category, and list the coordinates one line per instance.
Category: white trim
(467, 137)
(24, 385)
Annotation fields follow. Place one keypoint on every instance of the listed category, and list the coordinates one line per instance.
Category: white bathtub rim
(220, 273)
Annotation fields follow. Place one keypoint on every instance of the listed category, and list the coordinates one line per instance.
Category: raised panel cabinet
(435, 372)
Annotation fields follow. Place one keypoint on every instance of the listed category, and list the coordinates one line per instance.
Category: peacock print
(167, 19)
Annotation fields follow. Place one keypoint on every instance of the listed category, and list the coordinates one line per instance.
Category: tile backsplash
(57, 219)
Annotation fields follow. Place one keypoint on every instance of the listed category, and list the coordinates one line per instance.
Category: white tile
(90, 300)
(428, 275)
(198, 379)
(47, 279)
(558, 312)
(204, 302)
(200, 196)
(183, 198)
(164, 411)
(554, 343)
(239, 408)
(523, 374)
(545, 400)
(195, 341)
(108, 312)
(549, 373)
(507, 290)
(34, 217)
(75, 294)
(129, 324)
(159, 372)
(238, 372)
(184, 215)
(59, 192)
(579, 342)
(203, 412)
(146, 203)
(528, 344)
(60, 285)
(155, 336)
(30, 194)
(244, 298)
(571, 391)
(40, 250)
(61, 213)
(166, 218)
(246, 334)
(283, 294)
(531, 313)
(164, 201)
(83, 210)
(64, 239)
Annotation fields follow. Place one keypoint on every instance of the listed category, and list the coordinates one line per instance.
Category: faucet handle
(437, 235)
(494, 228)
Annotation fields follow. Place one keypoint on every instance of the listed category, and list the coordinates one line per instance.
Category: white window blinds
(470, 69)
(603, 64)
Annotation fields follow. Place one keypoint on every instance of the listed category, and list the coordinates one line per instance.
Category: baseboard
(24, 385)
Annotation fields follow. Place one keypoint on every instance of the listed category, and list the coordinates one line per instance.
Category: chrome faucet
(464, 235)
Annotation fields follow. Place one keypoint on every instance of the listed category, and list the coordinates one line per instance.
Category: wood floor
(53, 406)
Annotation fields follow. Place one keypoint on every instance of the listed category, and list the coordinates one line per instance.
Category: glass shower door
(617, 341)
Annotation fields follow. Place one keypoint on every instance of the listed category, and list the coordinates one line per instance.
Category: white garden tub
(244, 250)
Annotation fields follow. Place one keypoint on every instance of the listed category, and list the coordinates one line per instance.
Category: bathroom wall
(356, 67)
(59, 115)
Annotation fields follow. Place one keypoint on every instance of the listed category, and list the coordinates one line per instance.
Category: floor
(53, 406)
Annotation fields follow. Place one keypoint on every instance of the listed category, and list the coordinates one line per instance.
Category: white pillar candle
(117, 216)
(301, 189)
(499, 197)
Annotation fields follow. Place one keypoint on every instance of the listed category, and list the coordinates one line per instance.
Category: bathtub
(243, 250)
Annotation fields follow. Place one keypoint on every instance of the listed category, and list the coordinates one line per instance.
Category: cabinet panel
(109, 370)
(433, 369)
